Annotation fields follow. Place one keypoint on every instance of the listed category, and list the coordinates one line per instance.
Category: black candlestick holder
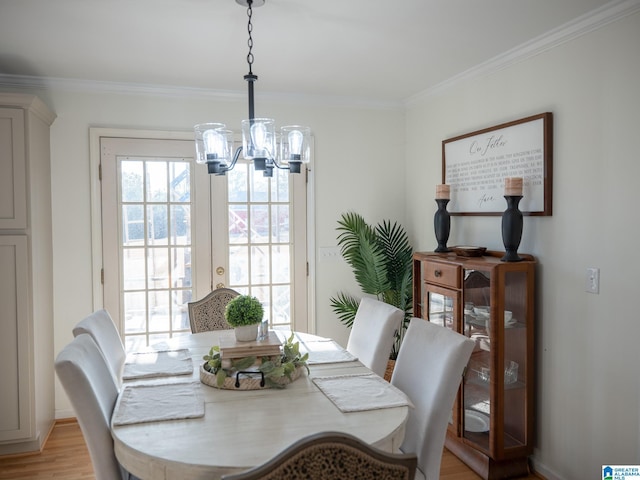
(512, 229)
(442, 225)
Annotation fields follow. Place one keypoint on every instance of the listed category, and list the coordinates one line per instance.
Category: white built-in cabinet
(26, 260)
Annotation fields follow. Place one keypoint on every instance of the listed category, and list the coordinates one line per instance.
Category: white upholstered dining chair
(91, 388)
(103, 330)
(429, 370)
(332, 455)
(373, 333)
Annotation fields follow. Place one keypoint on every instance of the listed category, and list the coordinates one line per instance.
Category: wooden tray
(468, 251)
(231, 348)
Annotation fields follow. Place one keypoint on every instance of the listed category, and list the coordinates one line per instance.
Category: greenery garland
(274, 368)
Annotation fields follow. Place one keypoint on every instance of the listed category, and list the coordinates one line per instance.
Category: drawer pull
(437, 273)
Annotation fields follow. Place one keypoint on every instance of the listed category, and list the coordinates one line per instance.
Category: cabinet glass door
(514, 359)
(441, 307)
(476, 390)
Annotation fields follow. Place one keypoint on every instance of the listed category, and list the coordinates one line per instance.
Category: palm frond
(361, 250)
(345, 307)
(395, 243)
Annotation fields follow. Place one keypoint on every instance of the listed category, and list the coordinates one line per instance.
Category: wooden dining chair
(429, 370)
(103, 330)
(92, 391)
(329, 455)
(207, 313)
(373, 333)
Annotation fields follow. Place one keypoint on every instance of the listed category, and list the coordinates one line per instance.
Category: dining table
(215, 431)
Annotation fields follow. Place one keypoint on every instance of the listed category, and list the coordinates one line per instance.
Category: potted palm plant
(381, 258)
(244, 313)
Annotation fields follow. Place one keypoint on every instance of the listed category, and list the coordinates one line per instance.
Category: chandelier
(288, 149)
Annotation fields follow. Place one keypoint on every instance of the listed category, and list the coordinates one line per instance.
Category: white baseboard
(543, 470)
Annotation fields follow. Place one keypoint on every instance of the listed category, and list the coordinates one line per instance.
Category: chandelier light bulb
(295, 144)
(259, 138)
(214, 144)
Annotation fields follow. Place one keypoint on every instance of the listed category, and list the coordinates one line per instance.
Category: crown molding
(582, 25)
(170, 91)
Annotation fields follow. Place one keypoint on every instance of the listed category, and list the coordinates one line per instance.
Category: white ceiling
(377, 50)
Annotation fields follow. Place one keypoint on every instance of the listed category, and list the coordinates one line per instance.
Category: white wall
(588, 381)
(351, 171)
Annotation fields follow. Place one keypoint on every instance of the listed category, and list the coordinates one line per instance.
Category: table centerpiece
(254, 372)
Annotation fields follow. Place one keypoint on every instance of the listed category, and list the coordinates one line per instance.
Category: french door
(171, 233)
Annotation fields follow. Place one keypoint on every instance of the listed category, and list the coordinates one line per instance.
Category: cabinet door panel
(14, 347)
(13, 186)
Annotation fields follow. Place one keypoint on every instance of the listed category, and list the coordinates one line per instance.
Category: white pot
(247, 333)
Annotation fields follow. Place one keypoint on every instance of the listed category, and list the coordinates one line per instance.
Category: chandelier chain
(250, 40)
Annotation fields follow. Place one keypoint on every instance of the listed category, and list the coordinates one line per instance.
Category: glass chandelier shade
(288, 149)
(214, 146)
(295, 148)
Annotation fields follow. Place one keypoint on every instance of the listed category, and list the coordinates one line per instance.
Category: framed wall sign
(476, 164)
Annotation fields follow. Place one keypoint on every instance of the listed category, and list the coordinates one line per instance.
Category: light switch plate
(593, 280)
(329, 254)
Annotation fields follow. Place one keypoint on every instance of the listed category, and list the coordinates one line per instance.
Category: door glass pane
(260, 262)
(281, 306)
(131, 175)
(155, 214)
(179, 228)
(156, 178)
(157, 264)
(280, 223)
(157, 224)
(132, 224)
(133, 265)
(281, 273)
(238, 266)
(237, 181)
(135, 306)
(259, 223)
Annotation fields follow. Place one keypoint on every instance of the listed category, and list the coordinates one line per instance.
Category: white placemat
(152, 403)
(355, 393)
(301, 337)
(326, 352)
(162, 363)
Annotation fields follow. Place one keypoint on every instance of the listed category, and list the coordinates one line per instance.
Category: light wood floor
(65, 457)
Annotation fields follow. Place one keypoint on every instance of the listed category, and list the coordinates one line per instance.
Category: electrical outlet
(593, 280)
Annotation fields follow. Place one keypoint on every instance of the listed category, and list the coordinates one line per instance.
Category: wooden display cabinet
(492, 422)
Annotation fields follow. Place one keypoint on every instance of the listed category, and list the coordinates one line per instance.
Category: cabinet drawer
(442, 274)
